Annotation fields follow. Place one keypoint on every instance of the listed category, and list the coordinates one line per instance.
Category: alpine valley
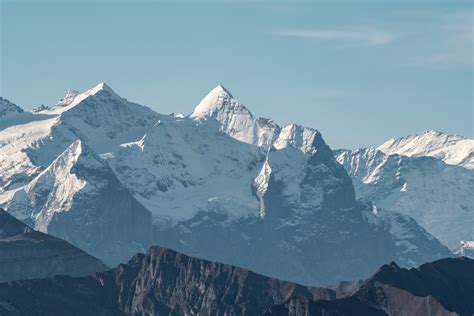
(113, 177)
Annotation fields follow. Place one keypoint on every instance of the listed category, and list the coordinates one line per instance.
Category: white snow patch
(261, 185)
(452, 149)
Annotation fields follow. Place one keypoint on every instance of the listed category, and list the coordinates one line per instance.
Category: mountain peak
(452, 149)
(73, 98)
(306, 139)
(221, 89)
(235, 119)
(213, 102)
(425, 137)
(77, 153)
(385, 272)
(7, 107)
(433, 132)
(100, 87)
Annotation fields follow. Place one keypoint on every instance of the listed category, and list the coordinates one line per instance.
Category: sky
(360, 72)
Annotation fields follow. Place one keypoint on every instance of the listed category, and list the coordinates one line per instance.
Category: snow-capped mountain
(235, 119)
(7, 108)
(259, 205)
(218, 183)
(99, 117)
(79, 198)
(68, 98)
(452, 149)
(437, 195)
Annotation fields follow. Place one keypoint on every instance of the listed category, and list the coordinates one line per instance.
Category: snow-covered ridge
(99, 117)
(179, 168)
(68, 98)
(238, 122)
(51, 191)
(234, 118)
(73, 98)
(8, 108)
(437, 195)
(452, 149)
(60, 180)
(303, 138)
(78, 198)
(213, 102)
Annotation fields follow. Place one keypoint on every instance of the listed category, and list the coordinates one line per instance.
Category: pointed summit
(8, 108)
(214, 101)
(387, 272)
(222, 89)
(100, 87)
(73, 98)
(75, 197)
(234, 118)
(71, 95)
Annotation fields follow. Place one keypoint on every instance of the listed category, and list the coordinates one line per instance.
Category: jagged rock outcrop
(164, 282)
(160, 282)
(443, 287)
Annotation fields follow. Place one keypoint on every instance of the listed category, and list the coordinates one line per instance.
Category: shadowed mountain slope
(26, 253)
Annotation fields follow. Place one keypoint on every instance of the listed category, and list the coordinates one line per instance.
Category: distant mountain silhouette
(26, 253)
(164, 282)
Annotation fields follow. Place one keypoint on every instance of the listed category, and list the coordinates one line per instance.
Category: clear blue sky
(359, 71)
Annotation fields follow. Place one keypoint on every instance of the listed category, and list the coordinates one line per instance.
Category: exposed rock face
(27, 254)
(164, 282)
(161, 282)
(444, 287)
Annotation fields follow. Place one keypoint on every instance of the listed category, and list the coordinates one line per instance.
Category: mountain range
(113, 177)
(436, 194)
(164, 282)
